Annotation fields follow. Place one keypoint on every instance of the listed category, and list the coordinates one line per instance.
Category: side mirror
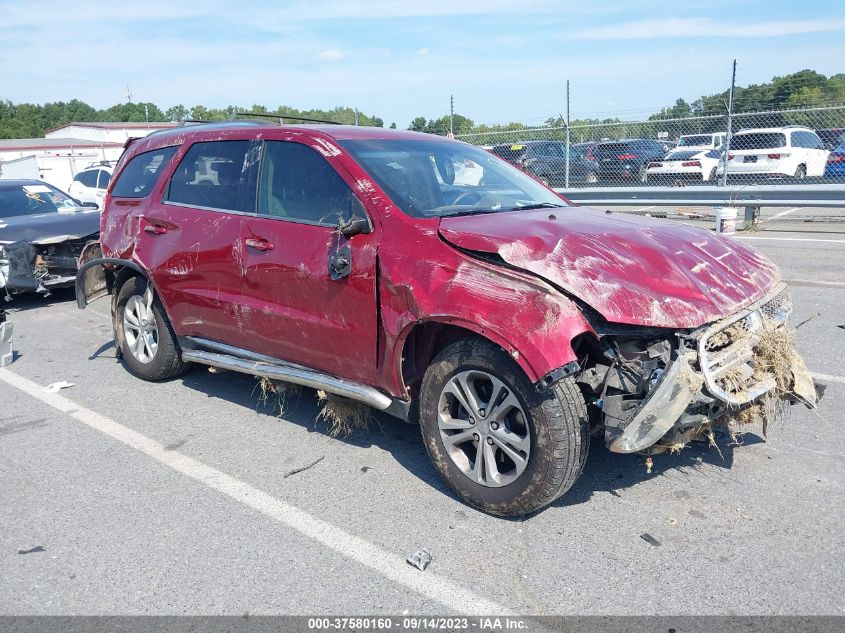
(353, 226)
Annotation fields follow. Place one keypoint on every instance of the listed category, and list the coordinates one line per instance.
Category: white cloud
(331, 55)
(422, 51)
(702, 27)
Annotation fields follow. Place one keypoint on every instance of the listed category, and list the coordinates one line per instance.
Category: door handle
(155, 229)
(259, 244)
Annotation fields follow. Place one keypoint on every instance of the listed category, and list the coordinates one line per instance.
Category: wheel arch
(422, 340)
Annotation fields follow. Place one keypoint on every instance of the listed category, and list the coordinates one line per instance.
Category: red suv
(504, 321)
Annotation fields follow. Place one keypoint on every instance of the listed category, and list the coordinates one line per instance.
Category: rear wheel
(801, 172)
(592, 178)
(713, 175)
(143, 333)
(498, 443)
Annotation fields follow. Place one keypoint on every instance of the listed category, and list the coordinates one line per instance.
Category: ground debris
(344, 415)
(55, 387)
(303, 468)
(283, 392)
(32, 550)
(648, 538)
(420, 559)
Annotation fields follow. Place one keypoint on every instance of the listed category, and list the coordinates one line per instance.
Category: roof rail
(281, 117)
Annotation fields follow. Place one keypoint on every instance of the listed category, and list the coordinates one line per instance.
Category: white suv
(714, 140)
(777, 152)
(90, 184)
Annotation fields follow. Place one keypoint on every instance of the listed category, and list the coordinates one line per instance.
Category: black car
(547, 161)
(626, 160)
(42, 232)
(831, 137)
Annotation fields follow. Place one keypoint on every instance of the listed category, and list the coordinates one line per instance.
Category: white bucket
(726, 220)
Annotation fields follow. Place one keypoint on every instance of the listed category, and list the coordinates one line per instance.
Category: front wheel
(143, 333)
(498, 443)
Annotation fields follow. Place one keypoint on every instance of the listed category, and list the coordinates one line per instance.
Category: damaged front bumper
(30, 267)
(663, 399)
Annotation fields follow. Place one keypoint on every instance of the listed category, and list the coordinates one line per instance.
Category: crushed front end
(660, 389)
(32, 267)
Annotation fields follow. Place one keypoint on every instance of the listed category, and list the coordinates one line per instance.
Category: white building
(68, 149)
(106, 132)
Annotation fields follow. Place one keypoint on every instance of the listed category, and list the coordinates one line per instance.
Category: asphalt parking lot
(178, 497)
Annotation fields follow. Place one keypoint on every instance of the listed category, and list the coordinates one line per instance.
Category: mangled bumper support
(672, 395)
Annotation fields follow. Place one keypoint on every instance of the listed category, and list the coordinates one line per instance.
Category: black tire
(557, 425)
(713, 175)
(800, 172)
(167, 361)
(591, 178)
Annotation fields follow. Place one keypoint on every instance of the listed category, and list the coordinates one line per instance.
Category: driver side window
(298, 184)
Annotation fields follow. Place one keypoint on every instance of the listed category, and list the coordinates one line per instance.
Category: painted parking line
(819, 283)
(787, 239)
(388, 564)
(829, 378)
(781, 214)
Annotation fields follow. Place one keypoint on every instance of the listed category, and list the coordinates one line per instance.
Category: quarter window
(298, 184)
(216, 175)
(103, 181)
(139, 176)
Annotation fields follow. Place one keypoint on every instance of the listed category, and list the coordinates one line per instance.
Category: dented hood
(49, 228)
(634, 270)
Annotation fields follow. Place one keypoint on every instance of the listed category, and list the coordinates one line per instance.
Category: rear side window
(87, 178)
(140, 174)
(217, 175)
(105, 178)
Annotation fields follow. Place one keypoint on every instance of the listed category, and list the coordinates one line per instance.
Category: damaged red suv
(504, 321)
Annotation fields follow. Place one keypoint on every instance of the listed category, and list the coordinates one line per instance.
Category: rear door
(294, 308)
(188, 239)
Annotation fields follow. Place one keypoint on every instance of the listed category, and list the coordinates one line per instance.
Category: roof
(117, 125)
(10, 183)
(335, 132)
(765, 130)
(15, 144)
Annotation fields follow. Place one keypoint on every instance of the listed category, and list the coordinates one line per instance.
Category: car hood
(631, 269)
(49, 228)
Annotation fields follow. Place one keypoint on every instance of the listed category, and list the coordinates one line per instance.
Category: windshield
(699, 140)
(437, 178)
(32, 199)
(758, 140)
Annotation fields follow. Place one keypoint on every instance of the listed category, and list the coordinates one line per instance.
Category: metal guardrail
(810, 195)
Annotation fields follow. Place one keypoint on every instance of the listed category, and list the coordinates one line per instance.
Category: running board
(235, 359)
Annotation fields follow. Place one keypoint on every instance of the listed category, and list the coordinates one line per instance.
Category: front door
(293, 307)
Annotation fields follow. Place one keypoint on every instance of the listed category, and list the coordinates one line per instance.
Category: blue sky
(503, 60)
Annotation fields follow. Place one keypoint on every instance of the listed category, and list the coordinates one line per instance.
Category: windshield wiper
(537, 205)
(472, 212)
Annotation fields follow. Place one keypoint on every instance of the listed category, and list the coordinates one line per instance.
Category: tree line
(28, 120)
(801, 90)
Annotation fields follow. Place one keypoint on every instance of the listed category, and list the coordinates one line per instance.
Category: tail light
(650, 165)
(626, 156)
(691, 163)
(730, 156)
(774, 156)
(836, 158)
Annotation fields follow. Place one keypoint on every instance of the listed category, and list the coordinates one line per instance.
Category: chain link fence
(788, 146)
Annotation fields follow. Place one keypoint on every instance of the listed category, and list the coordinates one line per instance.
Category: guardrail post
(752, 217)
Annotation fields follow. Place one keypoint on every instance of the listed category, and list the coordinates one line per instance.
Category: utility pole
(723, 181)
(566, 181)
(451, 116)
